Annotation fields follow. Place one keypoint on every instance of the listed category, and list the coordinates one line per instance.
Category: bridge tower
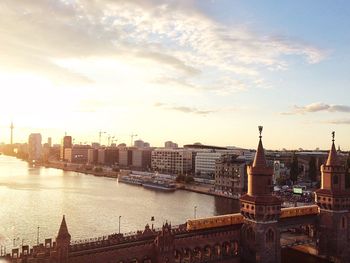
(333, 198)
(63, 242)
(261, 210)
(164, 244)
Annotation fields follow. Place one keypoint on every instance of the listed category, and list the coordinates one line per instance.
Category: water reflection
(225, 206)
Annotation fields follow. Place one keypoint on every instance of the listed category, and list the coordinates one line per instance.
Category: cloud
(318, 107)
(183, 109)
(183, 42)
(339, 121)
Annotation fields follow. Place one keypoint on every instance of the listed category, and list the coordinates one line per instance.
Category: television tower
(11, 128)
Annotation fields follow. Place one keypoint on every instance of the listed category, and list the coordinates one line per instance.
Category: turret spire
(332, 156)
(260, 160)
(63, 232)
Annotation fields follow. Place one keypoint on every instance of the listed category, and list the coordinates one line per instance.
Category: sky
(206, 71)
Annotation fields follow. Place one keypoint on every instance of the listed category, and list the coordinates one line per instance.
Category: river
(33, 197)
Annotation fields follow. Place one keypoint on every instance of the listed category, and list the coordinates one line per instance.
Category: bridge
(255, 235)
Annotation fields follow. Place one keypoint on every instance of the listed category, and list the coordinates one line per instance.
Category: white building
(172, 161)
(205, 163)
(34, 147)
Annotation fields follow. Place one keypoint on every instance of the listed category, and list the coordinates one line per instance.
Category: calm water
(32, 197)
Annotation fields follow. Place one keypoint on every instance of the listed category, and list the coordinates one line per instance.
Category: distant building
(141, 159)
(170, 144)
(230, 174)
(34, 147)
(95, 145)
(50, 153)
(111, 156)
(125, 156)
(77, 154)
(172, 161)
(205, 163)
(49, 141)
(139, 143)
(101, 156)
(66, 143)
(92, 156)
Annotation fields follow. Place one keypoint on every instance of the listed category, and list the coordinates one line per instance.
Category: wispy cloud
(180, 39)
(339, 121)
(318, 107)
(183, 109)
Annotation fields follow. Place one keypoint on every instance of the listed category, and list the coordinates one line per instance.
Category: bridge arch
(270, 236)
(207, 253)
(146, 259)
(226, 248)
(197, 254)
(217, 251)
(177, 256)
(250, 234)
(344, 222)
(235, 247)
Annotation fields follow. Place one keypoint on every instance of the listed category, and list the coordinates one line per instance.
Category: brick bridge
(253, 235)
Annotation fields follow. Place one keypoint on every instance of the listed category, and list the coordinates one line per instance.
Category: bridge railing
(116, 238)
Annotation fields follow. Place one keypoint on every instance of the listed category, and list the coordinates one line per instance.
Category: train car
(215, 221)
(299, 211)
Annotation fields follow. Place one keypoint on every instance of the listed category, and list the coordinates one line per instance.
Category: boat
(160, 185)
(129, 180)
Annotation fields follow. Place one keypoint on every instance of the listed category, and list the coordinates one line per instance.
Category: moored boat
(159, 185)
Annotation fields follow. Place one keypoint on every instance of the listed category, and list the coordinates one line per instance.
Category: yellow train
(232, 219)
(299, 211)
(215, 221)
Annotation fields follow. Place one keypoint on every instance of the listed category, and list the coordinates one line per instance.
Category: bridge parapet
(116, 239)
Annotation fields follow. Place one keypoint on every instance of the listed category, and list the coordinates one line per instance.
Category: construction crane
(115, 140)
(132, 139)
(110, 139)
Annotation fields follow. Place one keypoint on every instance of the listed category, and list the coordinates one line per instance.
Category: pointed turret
(62, 242)
(259, 166)
(260, 210)
(332, 156)
(260, 160)
(63, 231)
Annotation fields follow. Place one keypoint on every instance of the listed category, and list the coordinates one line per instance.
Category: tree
(180, 178)
(347, 172)
(312, 169)
(189, 179)
(294, 169)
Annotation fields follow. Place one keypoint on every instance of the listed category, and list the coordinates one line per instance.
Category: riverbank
(206, 189)
(197, 188)
(82, 169)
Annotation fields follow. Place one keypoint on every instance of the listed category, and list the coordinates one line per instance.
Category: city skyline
(186, 71)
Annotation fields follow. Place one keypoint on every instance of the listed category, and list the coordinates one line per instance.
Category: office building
(77, 154)
(230, 174)
(172, 161)
(141, 159)
(66, 143)
(170, 144)
(125, 156)
(34, 147)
